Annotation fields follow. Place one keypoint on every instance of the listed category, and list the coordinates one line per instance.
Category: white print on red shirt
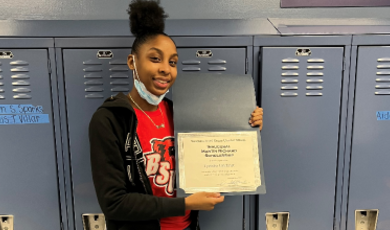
(160, 163)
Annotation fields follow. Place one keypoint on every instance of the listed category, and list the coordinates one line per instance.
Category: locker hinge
(49, 65)
(246, 65)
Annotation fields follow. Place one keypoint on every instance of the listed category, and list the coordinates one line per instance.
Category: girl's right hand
(203, 201)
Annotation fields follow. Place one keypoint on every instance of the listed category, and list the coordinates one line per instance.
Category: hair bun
(146, 17)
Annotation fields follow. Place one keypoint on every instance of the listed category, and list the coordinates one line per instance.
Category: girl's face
(156, 62)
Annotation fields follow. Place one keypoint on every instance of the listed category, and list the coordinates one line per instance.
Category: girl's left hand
(257, 118)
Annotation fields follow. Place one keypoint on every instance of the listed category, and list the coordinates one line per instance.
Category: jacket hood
(118, 101)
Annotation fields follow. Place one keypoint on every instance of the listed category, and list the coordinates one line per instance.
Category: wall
(177, 9)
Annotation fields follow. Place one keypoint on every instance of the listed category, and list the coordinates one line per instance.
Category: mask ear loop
(135, 69)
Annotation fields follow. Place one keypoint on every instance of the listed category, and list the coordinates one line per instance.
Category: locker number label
(383, 115)
(21, 114)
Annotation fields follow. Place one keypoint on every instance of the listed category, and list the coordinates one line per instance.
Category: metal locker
(229, 214)
(29, 194)
(90, 76)
(301, 91)
(369, 173)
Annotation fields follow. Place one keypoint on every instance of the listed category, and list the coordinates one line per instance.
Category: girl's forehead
(160, 42)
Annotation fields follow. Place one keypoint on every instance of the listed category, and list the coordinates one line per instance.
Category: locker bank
(324, 89)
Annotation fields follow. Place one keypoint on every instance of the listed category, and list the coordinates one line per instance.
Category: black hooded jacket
(122, 186)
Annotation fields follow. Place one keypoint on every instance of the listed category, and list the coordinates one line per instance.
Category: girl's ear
(130, 61)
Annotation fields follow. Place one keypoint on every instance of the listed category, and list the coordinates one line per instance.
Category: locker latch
(204, 53)
(94, 221)
(6, 222)
(6, 55)
(366, 219)
(105, 54)
(277, 220)
(304, 52)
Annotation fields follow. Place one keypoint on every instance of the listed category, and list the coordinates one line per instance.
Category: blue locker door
(89, 80)
(29, 183)
(301, 101)
(370, 174)
(229, 214)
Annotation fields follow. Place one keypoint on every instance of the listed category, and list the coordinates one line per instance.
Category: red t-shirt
(159, 152)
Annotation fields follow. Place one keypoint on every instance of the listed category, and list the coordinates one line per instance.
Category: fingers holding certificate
(217, 149)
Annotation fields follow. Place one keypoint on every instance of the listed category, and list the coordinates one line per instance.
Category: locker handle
(6, 55)
(277, 220)
(94, 221)
(22, 96)
(366, 219)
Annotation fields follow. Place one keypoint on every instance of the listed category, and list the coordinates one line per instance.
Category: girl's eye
(173, 62)
(155, 59)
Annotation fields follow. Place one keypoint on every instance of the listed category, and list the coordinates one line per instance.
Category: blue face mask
(142, 91)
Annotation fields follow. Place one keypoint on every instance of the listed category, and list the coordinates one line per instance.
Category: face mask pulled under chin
(142, 91)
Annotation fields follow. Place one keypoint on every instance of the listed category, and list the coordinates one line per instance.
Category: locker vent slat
(120, 89)
(384, 59)
(290, 74)
(1, 90)
(289, 94)
(289, 80)
(93, 69)
(92, 62)
(314, 80)
(93, 82)
(21, 83)
(315, 60)
(94, 89)
(191, 69)
(217, 68)
(315, 67)
(314, 94)
(217, 62)
(94, 95)
(20, 76)
(22, 96)
(92, 76)
(290, 67)
(289, 87)
(18, 63)
(191, 62)
(119, 69)
(119, 83)
(118, 62)
(19, 69)
(383, 86)
(383, 79)
(383, 92)
(21, 90)
(314, 87)
(314, 74)
(119, 75)
(290, 60)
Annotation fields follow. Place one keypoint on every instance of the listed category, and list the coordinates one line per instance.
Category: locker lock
(204, 53)
(94, 221)
(303, 52)
(105, 54)
(6, 222)
(6, 55)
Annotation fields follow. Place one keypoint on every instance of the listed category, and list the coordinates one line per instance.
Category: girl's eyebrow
(161, 53)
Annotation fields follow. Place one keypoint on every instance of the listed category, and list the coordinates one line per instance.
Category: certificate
(218, 161)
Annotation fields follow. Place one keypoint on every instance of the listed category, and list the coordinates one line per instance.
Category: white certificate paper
(218, 162)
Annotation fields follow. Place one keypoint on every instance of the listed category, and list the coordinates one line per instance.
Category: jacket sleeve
(109, 177)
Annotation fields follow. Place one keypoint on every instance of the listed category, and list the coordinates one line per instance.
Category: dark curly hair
(147, 20)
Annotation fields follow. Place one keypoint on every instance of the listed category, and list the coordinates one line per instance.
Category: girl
(134, 184)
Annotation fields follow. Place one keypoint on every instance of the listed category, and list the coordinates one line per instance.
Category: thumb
(213, 194)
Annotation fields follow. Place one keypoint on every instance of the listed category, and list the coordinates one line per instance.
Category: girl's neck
(145, 106)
